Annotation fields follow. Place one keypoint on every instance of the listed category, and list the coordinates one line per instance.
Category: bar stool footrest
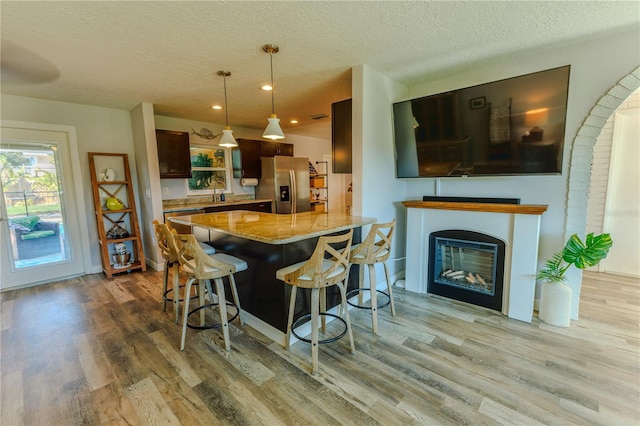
(329, 340)
(355, 291)
(217, 325)
(170, 299)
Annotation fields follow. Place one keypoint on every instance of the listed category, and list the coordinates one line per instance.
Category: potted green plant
(555, 295)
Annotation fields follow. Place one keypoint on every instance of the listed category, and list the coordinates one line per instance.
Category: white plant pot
(555, 304)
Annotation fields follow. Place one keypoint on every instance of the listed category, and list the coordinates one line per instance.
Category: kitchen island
(268, 242)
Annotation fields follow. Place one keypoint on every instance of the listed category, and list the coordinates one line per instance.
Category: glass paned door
(31, 191)
(39, 232)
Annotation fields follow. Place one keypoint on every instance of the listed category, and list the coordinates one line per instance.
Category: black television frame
(448, 134)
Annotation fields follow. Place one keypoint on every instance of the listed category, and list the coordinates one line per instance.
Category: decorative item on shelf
(122, 257)
(114, 204)
(273, 130)
(555, 296)
(117, 231)
(109, 175)
(312, 170)
(227, 140)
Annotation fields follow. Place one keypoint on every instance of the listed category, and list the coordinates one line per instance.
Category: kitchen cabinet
(246, 159)
(116, 216)
(174, 159)
(262, 206)
(270, 149)
(341, 136)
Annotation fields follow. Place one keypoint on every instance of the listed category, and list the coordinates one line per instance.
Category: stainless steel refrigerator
(285, 180)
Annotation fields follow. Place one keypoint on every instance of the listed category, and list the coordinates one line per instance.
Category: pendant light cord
(226, 109)
(273, 105)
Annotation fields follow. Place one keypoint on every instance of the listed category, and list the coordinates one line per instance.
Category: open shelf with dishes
(319, 187)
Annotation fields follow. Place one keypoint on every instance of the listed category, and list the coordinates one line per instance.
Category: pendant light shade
(227, 140)
(273, 130)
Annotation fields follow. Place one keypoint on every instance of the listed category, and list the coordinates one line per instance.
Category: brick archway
(582, 152)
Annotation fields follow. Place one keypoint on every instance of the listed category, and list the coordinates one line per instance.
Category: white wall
(589, 81)
(376, 191)
(600, 181)
(150, 208)
(97, 129)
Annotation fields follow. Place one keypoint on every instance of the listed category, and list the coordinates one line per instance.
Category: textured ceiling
(118, 54)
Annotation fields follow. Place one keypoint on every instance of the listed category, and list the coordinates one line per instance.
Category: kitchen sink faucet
(218, 198)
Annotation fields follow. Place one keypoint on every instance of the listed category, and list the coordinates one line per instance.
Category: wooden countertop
(273, 228)
(536, 209)
(199, 206)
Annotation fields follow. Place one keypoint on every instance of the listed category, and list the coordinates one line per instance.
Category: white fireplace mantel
(518, 225)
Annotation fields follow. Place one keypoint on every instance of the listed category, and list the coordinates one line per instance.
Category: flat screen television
(514, 126)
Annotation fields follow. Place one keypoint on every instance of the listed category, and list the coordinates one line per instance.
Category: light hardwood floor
(97, 351)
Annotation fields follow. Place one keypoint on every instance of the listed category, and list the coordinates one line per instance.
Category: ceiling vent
(318, 116)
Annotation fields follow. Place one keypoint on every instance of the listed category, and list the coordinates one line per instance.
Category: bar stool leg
(165, 280)
(374, 298)
(315, 306)
(292, 308)
(360, 282)
(344, 307)
(185, 316)
(222, 305)
(386, 272)
(236, 299)
(176, 290)
(202, 285)
(323, 308)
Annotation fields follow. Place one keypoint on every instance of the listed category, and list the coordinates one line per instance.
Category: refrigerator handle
(294, 192)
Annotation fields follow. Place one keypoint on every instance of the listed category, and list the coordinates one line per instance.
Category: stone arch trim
(582, 152)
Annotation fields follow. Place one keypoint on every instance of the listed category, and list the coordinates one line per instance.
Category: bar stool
(317, 274)
(202, 268)
(376, 248)
(166, 244)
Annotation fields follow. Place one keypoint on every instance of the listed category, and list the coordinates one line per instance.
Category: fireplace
(467, 266)
(517, 225)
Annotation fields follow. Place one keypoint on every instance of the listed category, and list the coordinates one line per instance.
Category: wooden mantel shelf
(536, 209)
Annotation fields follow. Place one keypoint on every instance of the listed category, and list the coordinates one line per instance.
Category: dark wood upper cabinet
(270, 149)
(173, 154)
(341, 136)
(246, 159)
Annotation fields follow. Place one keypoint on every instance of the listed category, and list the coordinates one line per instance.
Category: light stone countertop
(273, 228)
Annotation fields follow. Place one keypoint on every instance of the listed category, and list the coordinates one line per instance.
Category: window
(209, 170)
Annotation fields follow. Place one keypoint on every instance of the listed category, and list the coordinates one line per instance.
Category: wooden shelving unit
(127, 217)
(319, 185)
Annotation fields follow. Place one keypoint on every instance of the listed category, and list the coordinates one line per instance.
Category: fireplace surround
(517, 225)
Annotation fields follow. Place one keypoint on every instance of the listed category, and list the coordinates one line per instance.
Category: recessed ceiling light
(216, 107)
(266, 87)
(294, 121)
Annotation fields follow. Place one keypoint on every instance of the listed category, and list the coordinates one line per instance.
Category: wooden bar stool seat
(203, 268)
(164, 237)
(326, 267)
(375, 249)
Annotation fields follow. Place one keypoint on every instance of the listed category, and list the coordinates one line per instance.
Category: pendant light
(273, 130)
(227, 140)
